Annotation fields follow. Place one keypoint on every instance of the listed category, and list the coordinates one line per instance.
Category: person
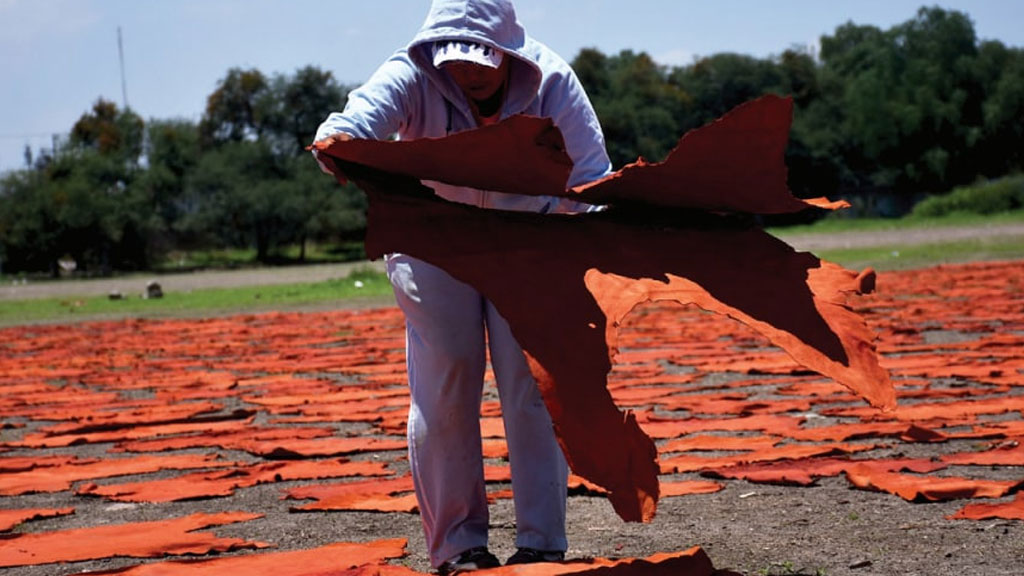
(473, 64)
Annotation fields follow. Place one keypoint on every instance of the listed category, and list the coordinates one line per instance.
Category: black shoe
(473, 559)
(532, 555)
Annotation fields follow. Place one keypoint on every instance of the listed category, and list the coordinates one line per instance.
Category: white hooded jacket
(408, 97)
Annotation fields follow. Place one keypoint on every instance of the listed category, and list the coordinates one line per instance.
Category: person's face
(478, 82)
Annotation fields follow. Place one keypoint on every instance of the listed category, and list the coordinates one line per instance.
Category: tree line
(121, 193)
(913, 110)
(896, 114)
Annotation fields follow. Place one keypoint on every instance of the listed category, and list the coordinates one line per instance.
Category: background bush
(994, 197)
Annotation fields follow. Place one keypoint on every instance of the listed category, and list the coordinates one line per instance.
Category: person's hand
(336, 137)
(327, 164)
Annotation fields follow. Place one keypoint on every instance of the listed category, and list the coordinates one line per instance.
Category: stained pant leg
(539, 470)
(446, 361)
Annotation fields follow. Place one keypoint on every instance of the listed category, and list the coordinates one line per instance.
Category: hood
(490, 22)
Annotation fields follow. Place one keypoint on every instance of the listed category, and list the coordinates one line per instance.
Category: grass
(901, 257)
(361, 284)
(925, 255)
(837, 223)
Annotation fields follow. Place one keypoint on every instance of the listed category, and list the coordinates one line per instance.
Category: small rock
(153, 290)
(115, 295)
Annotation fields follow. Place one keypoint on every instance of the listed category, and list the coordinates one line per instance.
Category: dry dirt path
(905, 237)
(135, 284)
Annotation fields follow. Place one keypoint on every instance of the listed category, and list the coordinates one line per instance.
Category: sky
(57, 57)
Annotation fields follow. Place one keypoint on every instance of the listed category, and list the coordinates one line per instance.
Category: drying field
(274, 444)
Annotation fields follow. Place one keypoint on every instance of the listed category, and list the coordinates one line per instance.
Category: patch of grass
(359, 284)
(925, 255)
(191, 260)
(837, 223)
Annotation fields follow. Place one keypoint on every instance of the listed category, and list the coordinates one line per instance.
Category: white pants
(446, 323)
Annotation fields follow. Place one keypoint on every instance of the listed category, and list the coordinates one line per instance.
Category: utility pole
(120, 54)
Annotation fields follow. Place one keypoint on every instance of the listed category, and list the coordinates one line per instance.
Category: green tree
(78, 207)
(29, 234)
(255, 183)
(636, 106)
(172, 152)
(721, 82)
(78, 202)
(242, 194)
(906, 102)
(110, 131)
(1000, 143)
(297, 104)
(592, 68)
(798, 76)
(321, 210)
(237, 108)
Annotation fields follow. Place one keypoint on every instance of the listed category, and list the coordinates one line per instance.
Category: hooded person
(472, 64)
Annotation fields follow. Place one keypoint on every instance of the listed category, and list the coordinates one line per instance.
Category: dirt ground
(755, 529)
